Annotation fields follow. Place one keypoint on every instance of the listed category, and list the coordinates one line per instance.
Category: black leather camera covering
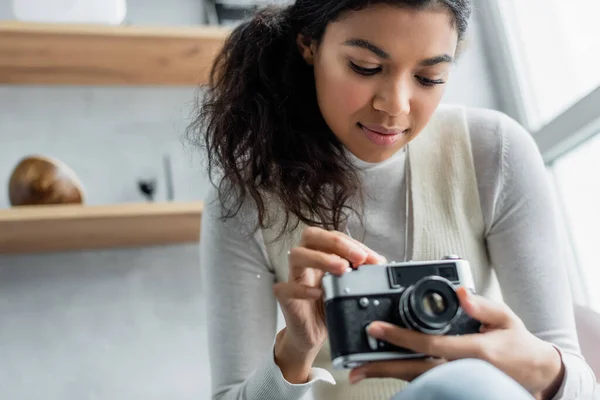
(347, 319)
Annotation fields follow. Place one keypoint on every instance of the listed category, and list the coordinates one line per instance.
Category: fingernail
(374, 329)
(380, 259)
(314, 292)
(356, 378)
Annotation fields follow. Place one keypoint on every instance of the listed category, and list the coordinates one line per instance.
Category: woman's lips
(382, 136)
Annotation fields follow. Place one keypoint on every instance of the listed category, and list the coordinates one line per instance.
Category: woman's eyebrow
(365, 44)
(430, 62)
(379, 52)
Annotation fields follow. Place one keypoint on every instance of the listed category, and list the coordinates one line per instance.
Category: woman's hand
(504, 342)
(301, 298)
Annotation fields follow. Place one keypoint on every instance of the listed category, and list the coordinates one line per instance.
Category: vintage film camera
(415, 295)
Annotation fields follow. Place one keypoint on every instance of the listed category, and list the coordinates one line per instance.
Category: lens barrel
(429, 306)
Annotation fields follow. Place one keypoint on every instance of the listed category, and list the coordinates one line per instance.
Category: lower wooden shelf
(39, 229)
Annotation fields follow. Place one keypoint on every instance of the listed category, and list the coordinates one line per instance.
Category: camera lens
(429, 306)
(433, 303)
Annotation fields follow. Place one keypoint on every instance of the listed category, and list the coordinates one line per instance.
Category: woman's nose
(394, 100)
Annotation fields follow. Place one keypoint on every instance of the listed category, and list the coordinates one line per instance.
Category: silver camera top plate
(375, 279)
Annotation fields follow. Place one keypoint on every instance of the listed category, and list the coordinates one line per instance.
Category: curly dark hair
(260, 123)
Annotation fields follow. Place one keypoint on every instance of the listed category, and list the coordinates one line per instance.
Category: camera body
(414, 295)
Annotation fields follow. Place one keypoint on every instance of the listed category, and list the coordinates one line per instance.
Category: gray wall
(120, 324)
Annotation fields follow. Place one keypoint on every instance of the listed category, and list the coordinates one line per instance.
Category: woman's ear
(306, 47)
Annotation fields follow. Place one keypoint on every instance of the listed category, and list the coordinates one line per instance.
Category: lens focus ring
(429, 306)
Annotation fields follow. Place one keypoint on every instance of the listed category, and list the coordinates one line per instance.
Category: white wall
(472, 81)
(126, 324)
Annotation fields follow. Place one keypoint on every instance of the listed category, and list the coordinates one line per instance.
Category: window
(577, 177)
(550, 56)
(555, 51)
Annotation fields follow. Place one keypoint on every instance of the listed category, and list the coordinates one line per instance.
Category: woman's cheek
(349, 94)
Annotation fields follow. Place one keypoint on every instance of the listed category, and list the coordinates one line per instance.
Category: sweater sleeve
(523, 241)
(241, 312)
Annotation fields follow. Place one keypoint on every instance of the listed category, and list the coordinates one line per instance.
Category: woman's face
(380, 74)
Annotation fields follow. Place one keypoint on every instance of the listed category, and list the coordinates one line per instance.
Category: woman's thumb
(484, 310)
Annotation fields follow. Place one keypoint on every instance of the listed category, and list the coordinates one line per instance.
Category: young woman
(329, 147)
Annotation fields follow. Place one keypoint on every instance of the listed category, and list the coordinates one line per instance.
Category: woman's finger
(301, 258)
(289, 291)
(334, 242)
(443, 346)
(496, 315)
(399, 369)
(372, 256)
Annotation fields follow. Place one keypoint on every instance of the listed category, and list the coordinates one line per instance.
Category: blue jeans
(468, 379)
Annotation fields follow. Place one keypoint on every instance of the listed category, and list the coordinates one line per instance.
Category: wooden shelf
(72, 54)
(37, 229)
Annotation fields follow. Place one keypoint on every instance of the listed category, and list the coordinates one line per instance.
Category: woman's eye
(364, 71)
(429, 82)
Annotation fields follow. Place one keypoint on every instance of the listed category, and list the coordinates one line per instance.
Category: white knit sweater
(478, 189)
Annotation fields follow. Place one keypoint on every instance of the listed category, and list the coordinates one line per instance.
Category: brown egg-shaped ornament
(38, 180)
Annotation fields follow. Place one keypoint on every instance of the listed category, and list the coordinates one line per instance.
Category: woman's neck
(362, 165)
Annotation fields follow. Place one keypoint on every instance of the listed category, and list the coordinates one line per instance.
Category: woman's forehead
(397, 29)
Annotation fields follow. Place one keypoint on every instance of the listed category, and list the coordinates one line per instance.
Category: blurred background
(82, 318)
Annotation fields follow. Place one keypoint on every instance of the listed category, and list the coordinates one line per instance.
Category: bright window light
(577, 177)
(556, 48)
